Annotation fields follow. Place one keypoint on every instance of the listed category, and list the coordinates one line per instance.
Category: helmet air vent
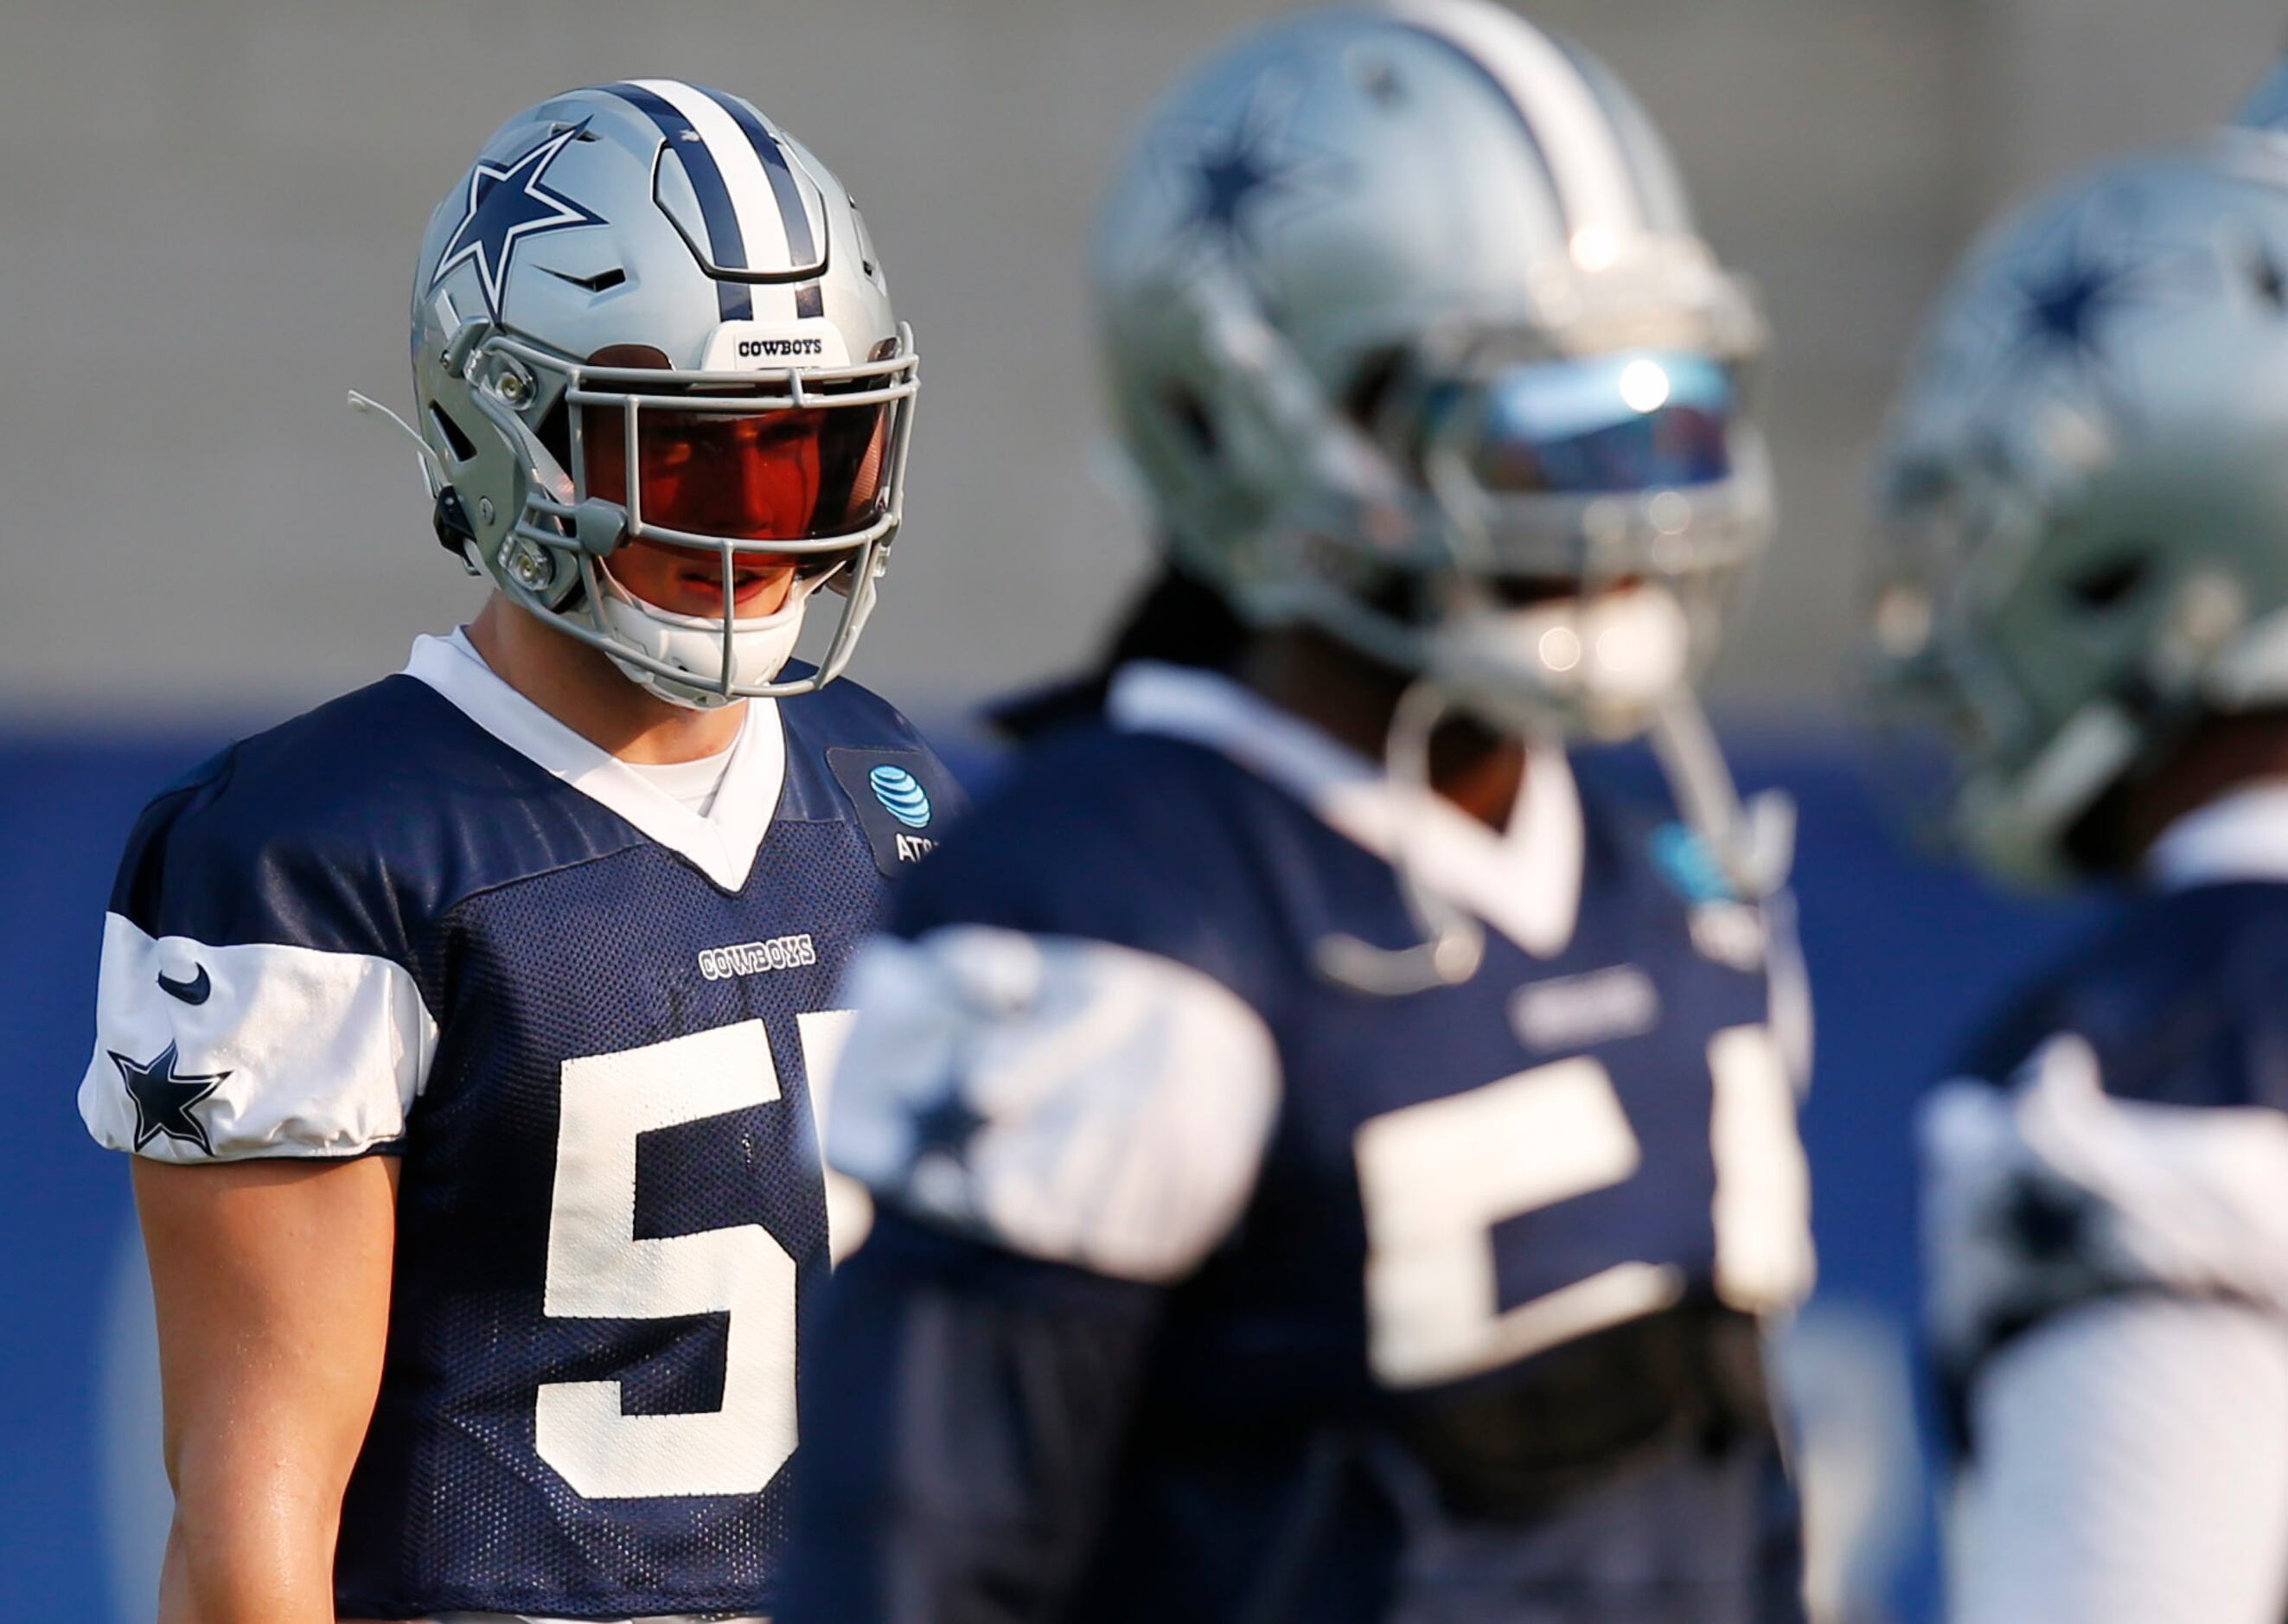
(463, 448)
(611, 276)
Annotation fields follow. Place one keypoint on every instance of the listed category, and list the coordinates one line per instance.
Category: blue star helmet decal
(505, 206)
(2067, 302)
(2101, 272)
(164, 1099)
(1237, 169)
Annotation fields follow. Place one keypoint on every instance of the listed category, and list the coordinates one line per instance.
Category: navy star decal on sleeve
(947, 1126)
(164, 1099)
(505, 207)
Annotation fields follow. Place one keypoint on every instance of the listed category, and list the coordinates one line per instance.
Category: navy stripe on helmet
(1502, 94)
(802, 248)
(726, 246)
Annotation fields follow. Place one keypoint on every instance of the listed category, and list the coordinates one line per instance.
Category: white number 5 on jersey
(598, 1268)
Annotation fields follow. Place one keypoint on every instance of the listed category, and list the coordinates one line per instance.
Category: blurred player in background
(470, 1030)
(1330, 1166)
(2085, 498)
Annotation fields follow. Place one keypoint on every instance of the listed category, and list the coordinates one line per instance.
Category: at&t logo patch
(902, 795)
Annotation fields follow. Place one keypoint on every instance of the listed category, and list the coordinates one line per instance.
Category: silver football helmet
(647, 316)
(2265, 107)
(1409, 336)
(2083, 496)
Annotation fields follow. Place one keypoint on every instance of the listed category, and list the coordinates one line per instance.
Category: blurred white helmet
(647, 314)
(2084, 495)
(1410, 337)
(2267, 106)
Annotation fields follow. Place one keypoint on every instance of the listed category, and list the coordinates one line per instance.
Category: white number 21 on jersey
(598, 1268)
(1436, 1177)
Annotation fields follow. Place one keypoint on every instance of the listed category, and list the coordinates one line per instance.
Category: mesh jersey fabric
(1258, 1366)
(2173, 1009)
(546, 935)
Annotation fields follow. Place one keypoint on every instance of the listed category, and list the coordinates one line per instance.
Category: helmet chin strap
(1752, 842)
(1453, 944)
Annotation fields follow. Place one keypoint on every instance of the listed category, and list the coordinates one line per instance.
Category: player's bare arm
(271, 1283)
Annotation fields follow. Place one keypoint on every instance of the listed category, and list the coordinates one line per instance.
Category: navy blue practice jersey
(1209, 1287)
(427, 920)
(2118, 1131)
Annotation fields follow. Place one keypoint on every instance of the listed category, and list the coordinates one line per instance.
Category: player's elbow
(255, 1519)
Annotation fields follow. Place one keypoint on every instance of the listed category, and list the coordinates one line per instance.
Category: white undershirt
(1524, 880)
(741, 791)
(695, 783)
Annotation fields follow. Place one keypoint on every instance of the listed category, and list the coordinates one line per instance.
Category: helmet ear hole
(2105, 586)
(1372, 394)
(2267, 280)
(1370, 385)
(1190, 415)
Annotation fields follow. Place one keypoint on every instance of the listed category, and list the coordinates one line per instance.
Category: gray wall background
(212, 208)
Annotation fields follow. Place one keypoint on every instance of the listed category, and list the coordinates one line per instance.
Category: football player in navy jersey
(472, 1031)
(1331, 1163)
(2085, 504)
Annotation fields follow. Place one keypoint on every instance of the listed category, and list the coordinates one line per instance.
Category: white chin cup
(1599, 665)
(693, 643)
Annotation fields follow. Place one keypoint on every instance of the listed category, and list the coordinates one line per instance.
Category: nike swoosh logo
(192, 992)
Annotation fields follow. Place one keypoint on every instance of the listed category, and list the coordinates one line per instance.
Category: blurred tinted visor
(1629, 422)
(768, 475)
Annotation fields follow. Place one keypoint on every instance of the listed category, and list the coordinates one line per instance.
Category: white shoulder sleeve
(2131, 1468)
(1067, 1099)
(2050, 1192)
(251, 1050)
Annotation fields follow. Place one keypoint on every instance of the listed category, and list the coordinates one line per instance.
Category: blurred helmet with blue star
(1409, 337)
(663, 391)
(2082, 501)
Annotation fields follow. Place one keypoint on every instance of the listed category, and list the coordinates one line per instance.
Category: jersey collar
(2239, 836)
(1525, 881)
(721, 846)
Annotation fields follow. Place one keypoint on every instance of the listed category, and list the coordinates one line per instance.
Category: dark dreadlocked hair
(1177, 619)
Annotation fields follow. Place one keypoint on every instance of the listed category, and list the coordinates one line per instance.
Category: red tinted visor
(769, 474)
